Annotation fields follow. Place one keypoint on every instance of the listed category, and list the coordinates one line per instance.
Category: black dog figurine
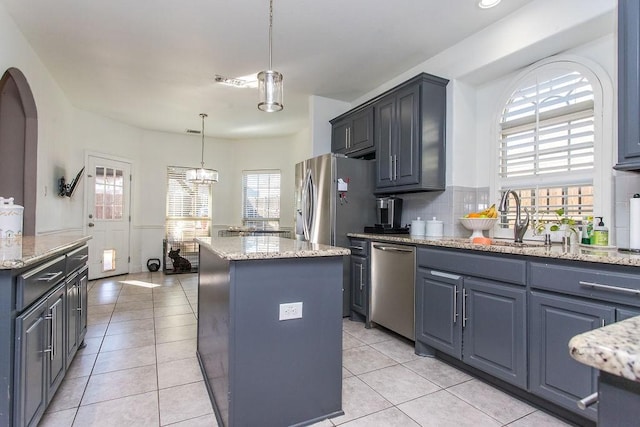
(180, 264)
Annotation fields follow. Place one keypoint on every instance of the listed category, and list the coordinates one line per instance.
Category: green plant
(540, 226)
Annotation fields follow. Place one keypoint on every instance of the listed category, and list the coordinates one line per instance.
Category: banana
(490, 212)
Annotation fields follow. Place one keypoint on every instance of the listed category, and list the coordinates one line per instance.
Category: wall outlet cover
(292, 310)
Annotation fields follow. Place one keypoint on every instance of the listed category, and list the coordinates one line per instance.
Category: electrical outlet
(292, 310)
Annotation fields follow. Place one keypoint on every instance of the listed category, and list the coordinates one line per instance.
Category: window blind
(546, 146)
(188, 207)
(261, 199)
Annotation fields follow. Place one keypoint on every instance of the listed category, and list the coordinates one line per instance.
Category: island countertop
(267, 247)
(596, 254)
(614, 348)
(27, 250)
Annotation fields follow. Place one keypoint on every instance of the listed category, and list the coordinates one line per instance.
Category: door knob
(91, 224)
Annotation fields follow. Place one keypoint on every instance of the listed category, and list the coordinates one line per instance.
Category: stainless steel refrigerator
(334, 196)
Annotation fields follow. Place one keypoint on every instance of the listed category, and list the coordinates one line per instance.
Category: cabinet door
(361, 133)
(30, 366)
(72, 318)
(384, 137)
(628, 85)
(407, 155)
(359, 284)
(495, 334)
(438, 303)
(83, 282)
(339, 136)
(56, 353)
(554, 374)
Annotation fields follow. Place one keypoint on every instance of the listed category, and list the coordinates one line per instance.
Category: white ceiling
(151, 63)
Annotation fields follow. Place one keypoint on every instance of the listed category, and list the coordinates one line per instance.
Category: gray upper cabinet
(409, 133)
(628, 85)
(352, 133)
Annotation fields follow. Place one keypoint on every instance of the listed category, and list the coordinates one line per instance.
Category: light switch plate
(292, 310)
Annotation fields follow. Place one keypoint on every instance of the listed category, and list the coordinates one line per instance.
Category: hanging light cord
(270, 31)
(203, 115)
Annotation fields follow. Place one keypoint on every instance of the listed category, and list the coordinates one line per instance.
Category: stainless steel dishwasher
(393, 270)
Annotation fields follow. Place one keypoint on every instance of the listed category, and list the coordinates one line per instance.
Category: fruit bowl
(477, 225)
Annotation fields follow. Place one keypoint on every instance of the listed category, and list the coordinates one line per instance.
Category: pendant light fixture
(202, 175)
(270, 82)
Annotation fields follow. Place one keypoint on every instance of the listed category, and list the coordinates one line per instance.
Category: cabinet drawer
(34, 283)
(359, 247)
(488, 267)
(77, 259)
(586, 282)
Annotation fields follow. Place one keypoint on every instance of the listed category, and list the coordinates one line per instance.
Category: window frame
(253, 222)
(604, 147)
(206, 219)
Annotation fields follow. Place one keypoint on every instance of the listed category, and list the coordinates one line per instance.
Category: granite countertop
(603, 255)
(24, 251)
(614, 348)
(267, 247)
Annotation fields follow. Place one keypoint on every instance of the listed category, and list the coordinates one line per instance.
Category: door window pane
(109, 190)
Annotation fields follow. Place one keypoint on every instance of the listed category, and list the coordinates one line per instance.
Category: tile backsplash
(626, 184)
(456, 201)
(447, 206)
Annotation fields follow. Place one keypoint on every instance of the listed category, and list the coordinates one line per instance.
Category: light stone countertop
(574, 253)
(614, 348)
(267, 247)
(27, 250)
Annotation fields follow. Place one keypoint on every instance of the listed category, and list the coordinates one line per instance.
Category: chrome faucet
(520, 226)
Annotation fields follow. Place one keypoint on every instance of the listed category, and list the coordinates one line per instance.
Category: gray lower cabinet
(40, 357)
(359, 284)
(553, 373)
(617, 401)
(476, 320)
(359, 271)
(76, 288)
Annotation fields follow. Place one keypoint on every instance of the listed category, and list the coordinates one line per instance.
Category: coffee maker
(389, 216)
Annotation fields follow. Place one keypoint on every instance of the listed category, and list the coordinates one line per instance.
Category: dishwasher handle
(392, 249)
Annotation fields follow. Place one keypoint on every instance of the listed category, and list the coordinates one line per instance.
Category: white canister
(417, 228)
(435, 228)
(10, 249)
(10, 219)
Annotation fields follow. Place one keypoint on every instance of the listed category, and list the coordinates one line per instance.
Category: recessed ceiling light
(486, 4)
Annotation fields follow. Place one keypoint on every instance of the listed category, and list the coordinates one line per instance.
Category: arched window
(549, 138)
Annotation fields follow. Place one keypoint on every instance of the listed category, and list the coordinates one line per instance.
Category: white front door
(108, 220)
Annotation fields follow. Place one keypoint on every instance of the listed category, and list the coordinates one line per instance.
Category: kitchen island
(270, 329)
(615, 351)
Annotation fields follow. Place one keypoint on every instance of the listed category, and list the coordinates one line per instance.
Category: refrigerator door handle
(307, 205)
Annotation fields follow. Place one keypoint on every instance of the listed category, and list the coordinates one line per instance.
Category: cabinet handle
(445, 275)
(361, 276)
(349, 137)
(392, 249)
(464, 308)
(358, 248)
(610, 288)
(395, 167)
(82, 258)
(53, 315)
(603, 323)
(455, 304)
(390, 168)
(49, 277)
(588, 401)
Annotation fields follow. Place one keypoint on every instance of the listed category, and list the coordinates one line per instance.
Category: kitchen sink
(511, 243)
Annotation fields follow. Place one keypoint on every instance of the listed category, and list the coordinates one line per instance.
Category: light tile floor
(139, 368)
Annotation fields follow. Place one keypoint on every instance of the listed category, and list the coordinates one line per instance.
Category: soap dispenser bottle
(600, 233)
